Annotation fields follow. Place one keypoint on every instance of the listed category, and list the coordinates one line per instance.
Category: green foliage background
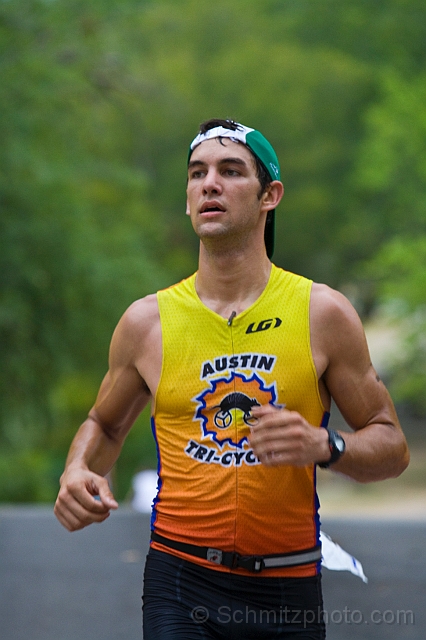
(98, 102)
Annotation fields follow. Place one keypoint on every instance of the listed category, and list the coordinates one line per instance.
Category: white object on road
(144, 486)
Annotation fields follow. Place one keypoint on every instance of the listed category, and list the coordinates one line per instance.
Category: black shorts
(183, 601)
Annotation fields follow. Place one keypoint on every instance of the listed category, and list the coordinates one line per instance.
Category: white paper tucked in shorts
(337, 559)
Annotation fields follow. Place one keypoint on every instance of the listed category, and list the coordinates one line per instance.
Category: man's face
(223, 190)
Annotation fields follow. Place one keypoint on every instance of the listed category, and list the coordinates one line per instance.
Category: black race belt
(234, 560)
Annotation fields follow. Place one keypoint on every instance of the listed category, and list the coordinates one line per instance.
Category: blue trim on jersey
(159, 482)
(325, 419)
(324, 423)
(317, 519)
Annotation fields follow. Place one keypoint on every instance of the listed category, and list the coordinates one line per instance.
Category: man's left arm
(376, 449)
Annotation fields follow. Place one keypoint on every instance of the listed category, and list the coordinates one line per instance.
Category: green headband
(262, 149)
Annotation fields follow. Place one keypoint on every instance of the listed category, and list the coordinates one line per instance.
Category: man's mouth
(212, 208)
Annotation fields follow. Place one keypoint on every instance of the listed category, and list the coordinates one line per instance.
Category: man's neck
(231, 282)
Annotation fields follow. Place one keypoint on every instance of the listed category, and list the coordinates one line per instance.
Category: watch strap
(336, 451)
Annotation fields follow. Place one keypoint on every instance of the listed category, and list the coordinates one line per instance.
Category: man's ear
(273, 194)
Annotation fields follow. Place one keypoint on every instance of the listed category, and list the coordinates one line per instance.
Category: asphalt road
(87, 585)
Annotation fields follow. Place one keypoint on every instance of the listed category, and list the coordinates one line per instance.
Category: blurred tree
(77, 239)
(390, 169)
(382, 33)
(391, 217)
(98, 103)
(400, 269)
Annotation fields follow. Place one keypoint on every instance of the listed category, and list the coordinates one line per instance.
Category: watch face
(339, 443)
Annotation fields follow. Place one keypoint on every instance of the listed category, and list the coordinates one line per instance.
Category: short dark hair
(261, 172)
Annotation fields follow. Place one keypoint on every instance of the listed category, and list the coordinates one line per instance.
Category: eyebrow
(231, 160)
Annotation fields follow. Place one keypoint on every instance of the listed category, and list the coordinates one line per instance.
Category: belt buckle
(214, 555)
(258, 564)
(252, 563)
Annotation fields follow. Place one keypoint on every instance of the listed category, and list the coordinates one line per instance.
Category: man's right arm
(85, 496)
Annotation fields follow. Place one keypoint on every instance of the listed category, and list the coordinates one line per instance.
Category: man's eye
(232, 172)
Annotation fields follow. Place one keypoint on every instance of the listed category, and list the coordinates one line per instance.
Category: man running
(241, 361)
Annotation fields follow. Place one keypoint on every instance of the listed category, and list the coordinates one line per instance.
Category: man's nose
(212, 182)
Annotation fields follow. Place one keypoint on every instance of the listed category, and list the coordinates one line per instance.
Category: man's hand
(282, 437)
(76, 505)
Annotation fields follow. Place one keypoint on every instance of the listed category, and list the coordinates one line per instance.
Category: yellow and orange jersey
(213, 491)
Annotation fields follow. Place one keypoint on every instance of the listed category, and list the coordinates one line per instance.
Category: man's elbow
(402, 461)
(398, 459)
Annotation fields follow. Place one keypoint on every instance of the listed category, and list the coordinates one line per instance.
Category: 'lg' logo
(264, 325)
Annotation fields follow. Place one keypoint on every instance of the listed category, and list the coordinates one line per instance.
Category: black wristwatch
(337, 448)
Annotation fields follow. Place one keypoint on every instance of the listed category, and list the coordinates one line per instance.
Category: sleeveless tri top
(212, 489)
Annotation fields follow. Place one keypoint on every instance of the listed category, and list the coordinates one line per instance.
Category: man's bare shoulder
(331, 309)
(138, 324)
(337, 334)
(142, 313)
